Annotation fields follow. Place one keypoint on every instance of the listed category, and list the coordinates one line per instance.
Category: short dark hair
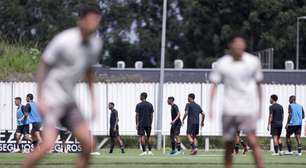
(18, 98)
(191, 95)
(236, 35)
(292, 98)
(274, 97)
(30, 95)
(111, 103)
(171, 98)
(86, 9)
(144, 95)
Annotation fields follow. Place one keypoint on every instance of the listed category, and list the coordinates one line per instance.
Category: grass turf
(159, 160)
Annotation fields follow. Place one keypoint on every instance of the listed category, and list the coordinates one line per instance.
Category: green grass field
(132, 160)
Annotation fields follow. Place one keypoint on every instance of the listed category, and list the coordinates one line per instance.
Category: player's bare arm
(203, 119)
(213, 92)
(289, 117)
(137, 119)
(90, 81)
(40, 77)
(269, 119)
(259, 93)
(185, 115)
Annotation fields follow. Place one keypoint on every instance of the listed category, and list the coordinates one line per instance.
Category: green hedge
(215, 142)
(17, 62)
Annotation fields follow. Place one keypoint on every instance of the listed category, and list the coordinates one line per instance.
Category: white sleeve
(258, 71)
(216, 74)
(51, 52)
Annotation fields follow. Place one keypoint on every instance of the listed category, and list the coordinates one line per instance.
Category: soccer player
(175, 130)
(144, 117)
(294, 124)
(34, 118)
(23, 127)
(193, 111)
(114, 128)
(275, 124)
(241, 74)
(238, 141)
(68, 59)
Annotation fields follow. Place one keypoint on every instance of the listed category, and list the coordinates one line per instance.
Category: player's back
(277, 114)
(194, 111)
(296, 114)
(145, 109)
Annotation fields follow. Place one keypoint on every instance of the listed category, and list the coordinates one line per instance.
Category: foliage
(17, 62)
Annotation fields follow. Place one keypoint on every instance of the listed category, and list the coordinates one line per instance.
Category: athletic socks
(276, 148)
(149, 147)
(143, 147)
(237, 148)
(280, 147)
(122, 149)
(289, 147)
(111, 148)
(20, 146)
(178, 146)
(299, 148)
(173, 146)
(193, 146)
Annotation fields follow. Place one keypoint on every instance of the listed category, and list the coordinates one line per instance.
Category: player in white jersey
(67, 60)
(241, 74)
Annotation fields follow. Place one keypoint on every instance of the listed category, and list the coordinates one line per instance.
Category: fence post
(206, 144)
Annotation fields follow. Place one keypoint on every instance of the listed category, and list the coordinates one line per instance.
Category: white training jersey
(240, 83)
(68, 57)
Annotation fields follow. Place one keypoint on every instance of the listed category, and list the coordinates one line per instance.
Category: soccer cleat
(275, 154)
(281, 153)
(299, 154)
(143, 154)
(194, 152)
(150, 153)
(16, 150)
(173, 152)
(178, 153)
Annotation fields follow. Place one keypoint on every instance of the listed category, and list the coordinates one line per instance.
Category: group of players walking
(68, 59)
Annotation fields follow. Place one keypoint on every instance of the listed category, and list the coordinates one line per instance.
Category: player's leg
(49, 136)
(280, 143)
(18, 139)
(228, 157)
(237, 142)
(119, 140)
(141, 140)
(112, 140)
(82, 133)
(288, 139)
(275, 141)
(177, 138)
(190, 139)
(244, 145)
(172, 138)
(256, 149)
(148, 133)
(298, 139)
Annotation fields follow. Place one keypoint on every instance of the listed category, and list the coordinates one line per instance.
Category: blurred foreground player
(144, 118)
(67, 59)
(176, 124)
(275, 124)
(241, 74)
(294, 124)
(114, 128)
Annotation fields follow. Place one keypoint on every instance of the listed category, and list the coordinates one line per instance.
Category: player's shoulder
(250, 57)
(67, 35)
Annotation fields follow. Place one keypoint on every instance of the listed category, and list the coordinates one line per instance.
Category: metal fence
(126, 96)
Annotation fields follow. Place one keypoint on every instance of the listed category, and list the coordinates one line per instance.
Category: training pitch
(159, 160)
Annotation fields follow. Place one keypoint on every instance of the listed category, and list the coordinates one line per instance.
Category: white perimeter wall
(126, 96)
